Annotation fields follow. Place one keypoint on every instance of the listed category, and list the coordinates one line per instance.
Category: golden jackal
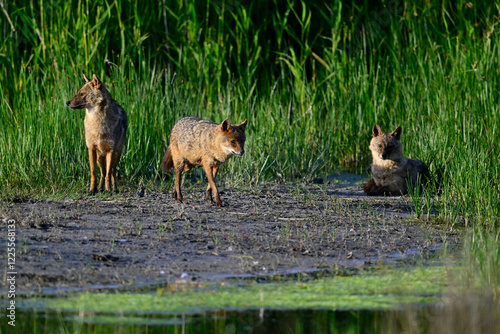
(197, 142)
(105, 129)
(390, 169)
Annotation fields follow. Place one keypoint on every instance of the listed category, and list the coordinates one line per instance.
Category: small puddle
(344, 178)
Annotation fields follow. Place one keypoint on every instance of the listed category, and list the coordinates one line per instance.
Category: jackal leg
(179, 169)
(101, 162)
(116, 158)
(209, 170)
(209, 187)
(372, 189)
(109, 164)
(92, 161)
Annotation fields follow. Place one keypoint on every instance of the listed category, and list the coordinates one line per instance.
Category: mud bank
(270, 229)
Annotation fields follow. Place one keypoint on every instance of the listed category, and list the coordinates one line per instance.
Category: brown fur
(391, 170)
(105, 129)
(167, 163)
(197, 142)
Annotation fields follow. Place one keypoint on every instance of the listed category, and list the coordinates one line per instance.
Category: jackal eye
(379, 145)
(81, 94)
(233, 142)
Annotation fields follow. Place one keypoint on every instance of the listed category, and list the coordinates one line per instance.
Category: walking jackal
(197, 142)
(105, 129)
(391, 171)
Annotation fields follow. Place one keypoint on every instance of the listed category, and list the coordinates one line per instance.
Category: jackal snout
(77, 102)
(387, 151)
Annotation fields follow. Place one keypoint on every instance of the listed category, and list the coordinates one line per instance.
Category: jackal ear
(397, 133)
(243, 125)
(377, 131)
(87, 79)
(226, 126)
(96, 83)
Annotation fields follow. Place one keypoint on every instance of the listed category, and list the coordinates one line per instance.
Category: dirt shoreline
(271, 229)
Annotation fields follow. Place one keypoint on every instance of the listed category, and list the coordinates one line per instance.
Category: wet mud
(134, 239)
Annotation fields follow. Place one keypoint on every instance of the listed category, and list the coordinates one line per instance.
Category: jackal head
(385, 145)
(90, 95)
(232, 137)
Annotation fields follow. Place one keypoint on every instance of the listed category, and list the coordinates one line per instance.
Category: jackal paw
(210, 200)
(179, 198)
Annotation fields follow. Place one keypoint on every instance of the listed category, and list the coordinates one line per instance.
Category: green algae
(385, 289)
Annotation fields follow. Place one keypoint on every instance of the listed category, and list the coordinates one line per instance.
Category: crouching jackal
(105, 129)
(197, 142)
(391, 171)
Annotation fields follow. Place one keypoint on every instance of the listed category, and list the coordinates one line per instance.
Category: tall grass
(311, 78)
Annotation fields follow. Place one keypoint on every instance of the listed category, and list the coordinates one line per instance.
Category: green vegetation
(311, 78)
(365, 291)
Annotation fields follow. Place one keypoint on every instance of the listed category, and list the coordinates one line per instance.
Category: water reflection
(248, 321)
(457, 314)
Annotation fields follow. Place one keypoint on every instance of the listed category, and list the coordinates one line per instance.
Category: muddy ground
(271, 229)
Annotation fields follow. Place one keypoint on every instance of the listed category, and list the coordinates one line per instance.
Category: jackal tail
(167, 163)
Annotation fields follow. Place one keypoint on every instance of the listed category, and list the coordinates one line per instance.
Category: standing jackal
(197, 142)
(105, 129)
(390, 169)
